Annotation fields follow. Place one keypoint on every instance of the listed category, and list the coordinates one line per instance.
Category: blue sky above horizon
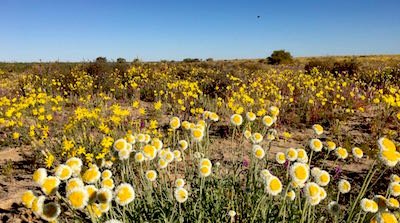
(77, 30)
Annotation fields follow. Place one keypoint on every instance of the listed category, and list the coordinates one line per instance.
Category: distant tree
(210, 59)
(99, 70)
(191, 60)
(121, 60)
(136, 60)
(101, 60)
(280, 57)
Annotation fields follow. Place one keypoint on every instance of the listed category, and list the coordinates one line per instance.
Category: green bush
(280, 57)
(191, 60)
(323, 65)
(347, 66)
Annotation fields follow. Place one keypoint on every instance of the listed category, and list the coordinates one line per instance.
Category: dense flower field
(176, 142)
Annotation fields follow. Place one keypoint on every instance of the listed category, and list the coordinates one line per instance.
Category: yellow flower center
(300, 173)
(124, 194)
(76, 199)
(275, 184)
(388, 144)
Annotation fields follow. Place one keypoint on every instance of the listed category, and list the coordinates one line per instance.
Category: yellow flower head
(147, 138)
(386, 217)
(315, 171)
(139, 157)
(341, 153)
(205, 171)
(186, 125)
(258, 152)
(75, 164)
(357, 152)
(300, 172)
(94, 210)
(236, 120)
(205, 162)
(141, 138)
(104, 207)
(214, 117)
(129, 147)
(78, 198)
(150, 152)
(162, 163)
(250, 116)
(302, 156)
(318, 129)
(108, 183)
(73, 183)
(389, 158)
(183, 144)
(257, 138)
(280, 157)
(323, 178)
(120, 144)
(39, 176)
(106, 174)
(344, 186)
(247, 134)
(50, 185)
(181, 194)
(395, 178)
(175, 123)
(268, 120)
(157, 143)
(316, 145)
(197, 134)
(265, 175)
(130, 139)
(63, 172)
(274, 186)
(124, 154)
(394, 189)
(27, 198)
(37, 205)
(91, 175)
(386, 144)
(179, 182)
(124, 194)
(274, 111)
(291, 195)
(151, 175)
(330, 145)
(393, 203)
(322, 193)
(168, 156)
(312, 190)
(291, 154)
(368, 205)
(177, 154)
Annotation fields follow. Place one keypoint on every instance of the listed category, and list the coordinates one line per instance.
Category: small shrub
(347, 66)
(280, 57)
(191, 60)
(323, 65)
(333, 66)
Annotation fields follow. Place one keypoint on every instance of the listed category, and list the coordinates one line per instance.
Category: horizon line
(200, 58)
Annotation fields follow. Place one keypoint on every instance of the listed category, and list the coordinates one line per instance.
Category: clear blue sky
(75, 30)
